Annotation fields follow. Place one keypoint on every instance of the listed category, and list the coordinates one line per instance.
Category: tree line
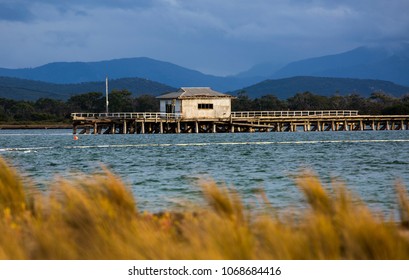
(378, 103)
(51, 110)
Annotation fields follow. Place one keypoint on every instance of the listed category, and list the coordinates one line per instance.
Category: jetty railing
(244, 114)
(127, 115)
(251, 114)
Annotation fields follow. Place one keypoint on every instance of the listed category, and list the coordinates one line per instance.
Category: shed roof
(194, 92)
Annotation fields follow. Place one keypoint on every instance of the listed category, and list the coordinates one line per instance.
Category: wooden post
(74, 129)
(143, 127)
(232, 128)
(113, 128)
(214, 128)
(178, 127)
(124, 128)
(131, 128)
(346, 126)
(161, 127)
(196, 126)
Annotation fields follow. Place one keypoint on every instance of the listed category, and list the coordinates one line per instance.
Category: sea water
(164, 171)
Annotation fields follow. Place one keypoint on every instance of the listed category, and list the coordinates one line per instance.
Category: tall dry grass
(95, 217)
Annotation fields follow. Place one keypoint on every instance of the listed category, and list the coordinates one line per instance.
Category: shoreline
(35, 126)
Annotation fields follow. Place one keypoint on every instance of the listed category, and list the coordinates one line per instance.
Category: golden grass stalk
(12, 193)
(403, 203)
(95, 217)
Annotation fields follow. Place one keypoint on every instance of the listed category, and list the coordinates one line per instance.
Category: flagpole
(106, 95)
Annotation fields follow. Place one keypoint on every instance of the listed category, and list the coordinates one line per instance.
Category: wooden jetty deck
(252, 121)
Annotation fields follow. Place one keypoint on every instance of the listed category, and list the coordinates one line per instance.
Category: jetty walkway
(251, 121)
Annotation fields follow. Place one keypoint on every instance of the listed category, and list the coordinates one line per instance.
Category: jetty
(203, 110)
(249, 121)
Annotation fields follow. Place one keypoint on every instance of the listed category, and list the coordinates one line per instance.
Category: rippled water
(164, 170)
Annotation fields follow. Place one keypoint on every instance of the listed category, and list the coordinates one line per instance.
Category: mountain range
(22, 89)
(287, 87)
(371, 67)
(141, 67)
(390, 63)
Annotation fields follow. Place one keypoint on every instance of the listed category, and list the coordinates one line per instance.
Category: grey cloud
(213, 36)
(89, 3)
(14, 12)
(65, 38)
(24, 10)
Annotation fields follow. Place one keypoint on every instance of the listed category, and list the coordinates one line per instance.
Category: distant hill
(22, 89)
(390, 64)
(263, 70)
(142, 67)
(285, 88)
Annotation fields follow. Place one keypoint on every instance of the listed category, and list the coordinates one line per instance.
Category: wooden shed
(196, 103)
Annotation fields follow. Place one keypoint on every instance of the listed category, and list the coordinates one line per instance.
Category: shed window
(205, 106)
(170, 108)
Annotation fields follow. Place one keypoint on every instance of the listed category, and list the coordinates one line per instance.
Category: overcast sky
(213, 36)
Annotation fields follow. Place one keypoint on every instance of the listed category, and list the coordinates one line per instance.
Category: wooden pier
(253, 121)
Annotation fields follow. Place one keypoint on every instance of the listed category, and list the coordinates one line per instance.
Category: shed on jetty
(196, 103)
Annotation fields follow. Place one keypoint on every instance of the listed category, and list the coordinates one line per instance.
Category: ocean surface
(164, 171)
